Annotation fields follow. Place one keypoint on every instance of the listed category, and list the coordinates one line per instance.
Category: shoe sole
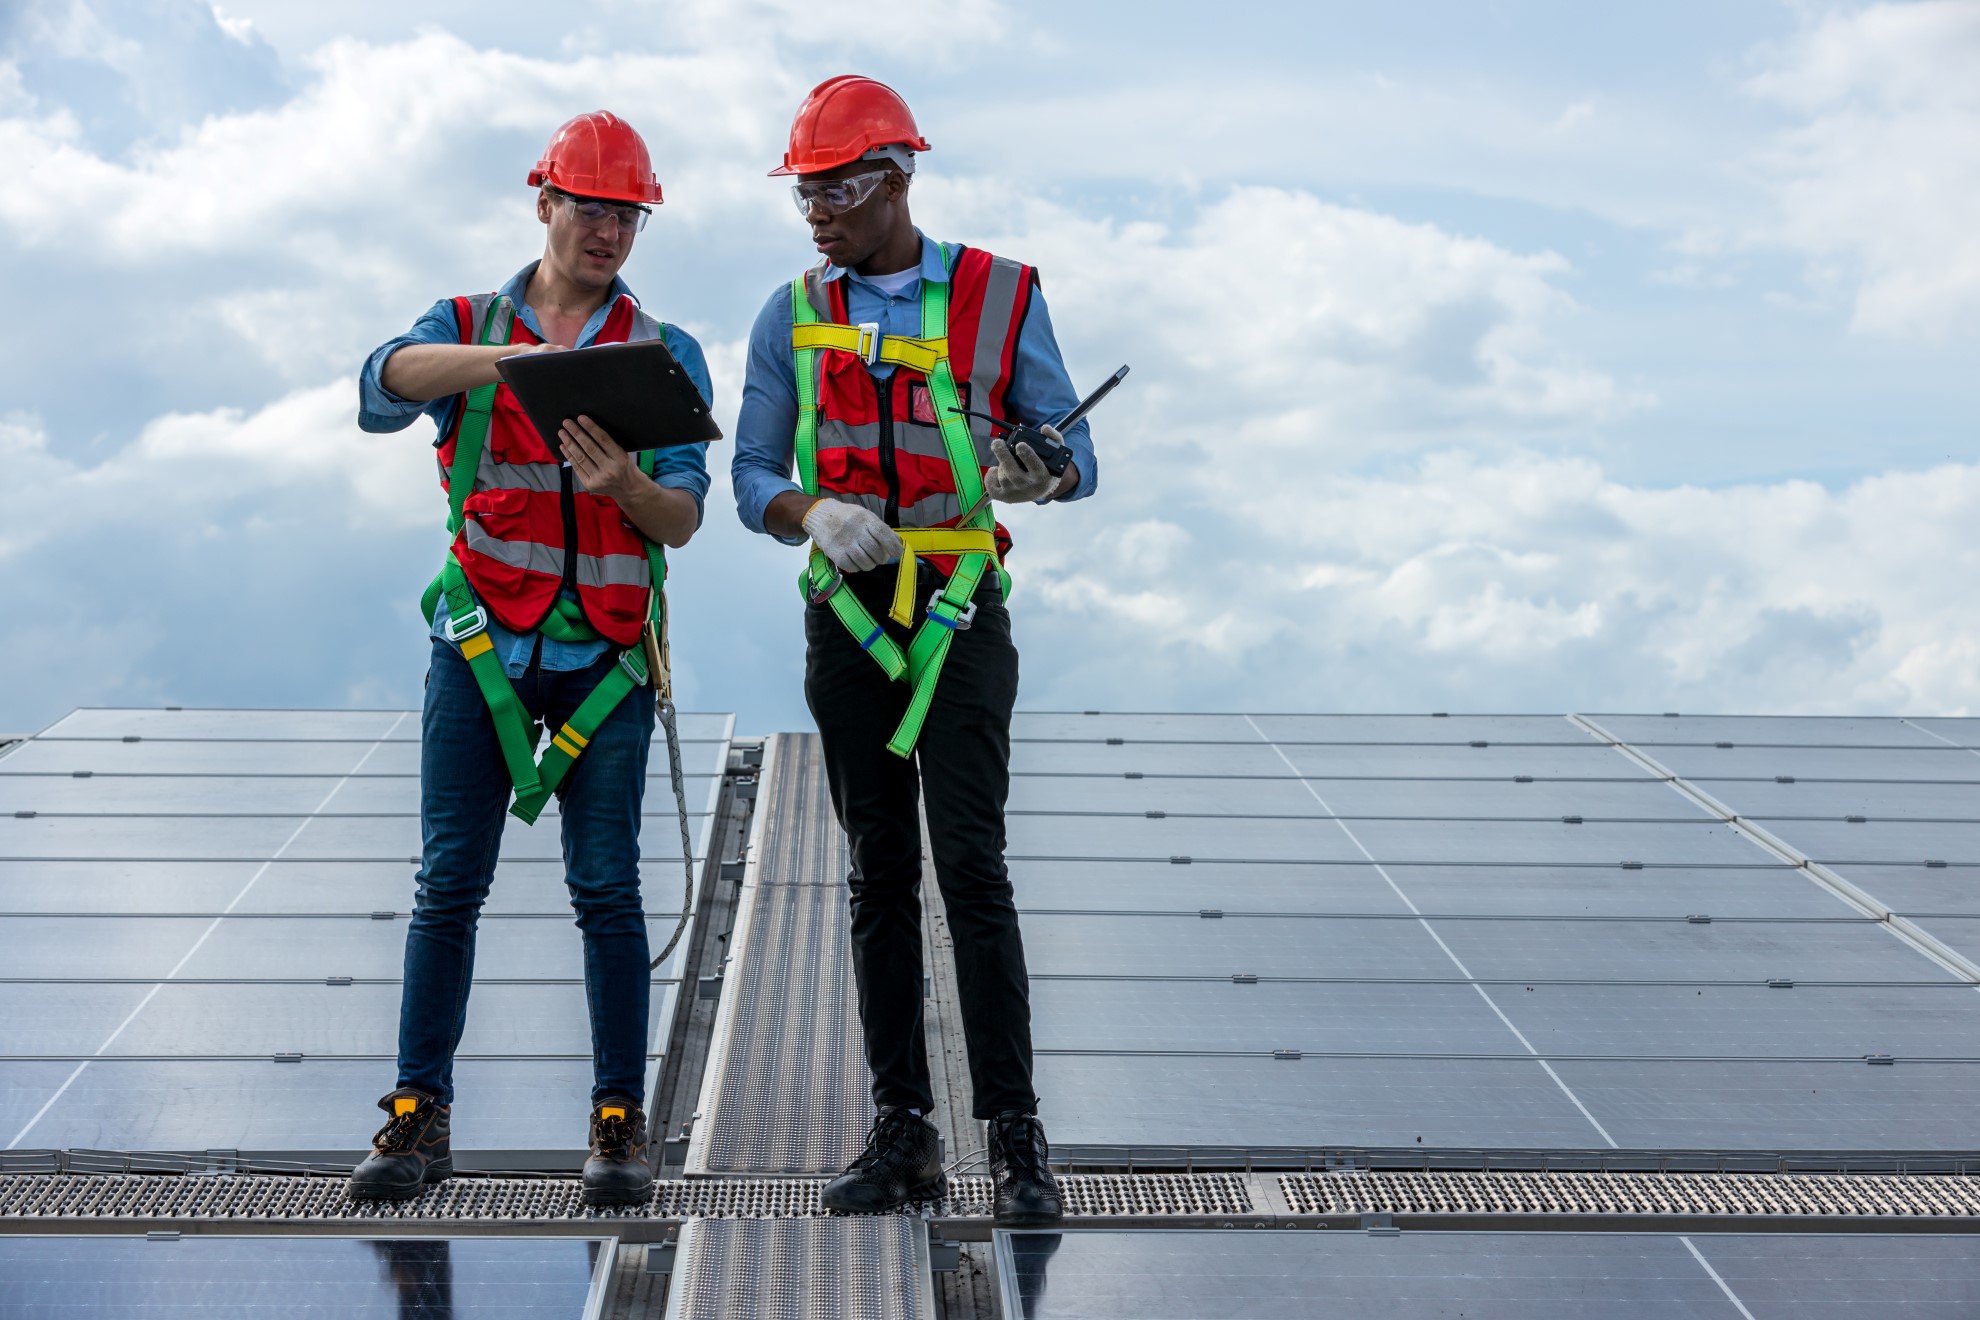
(929, 1191)
(1029, 1221)
(616, 1197)
(438, 1171)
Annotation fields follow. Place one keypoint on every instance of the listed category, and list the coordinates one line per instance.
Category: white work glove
(1020, 476)
(852, 536)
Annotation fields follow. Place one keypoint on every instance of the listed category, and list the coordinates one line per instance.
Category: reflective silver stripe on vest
(614, 571)
(530, 556)
(1000, 291)
(932, 511)
(922, 441)
(873, 504)
(535, 557)
(543, 478)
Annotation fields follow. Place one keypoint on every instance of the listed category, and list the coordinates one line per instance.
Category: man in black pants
(855, 374)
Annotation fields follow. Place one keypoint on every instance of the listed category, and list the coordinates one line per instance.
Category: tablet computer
(638, 393)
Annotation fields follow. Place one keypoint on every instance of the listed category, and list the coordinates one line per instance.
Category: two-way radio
(1055, 456)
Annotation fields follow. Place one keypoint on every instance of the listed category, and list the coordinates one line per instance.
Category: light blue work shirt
(681, 467)
(1040, 392)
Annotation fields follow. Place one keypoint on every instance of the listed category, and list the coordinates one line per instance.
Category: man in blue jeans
(548, 587)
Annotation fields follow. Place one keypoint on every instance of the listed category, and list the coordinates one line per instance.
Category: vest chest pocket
(512, 437)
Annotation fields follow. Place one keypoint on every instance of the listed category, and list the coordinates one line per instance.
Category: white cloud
(1534, 582)
(1881, 183)
(1274, 320)
(210, 474)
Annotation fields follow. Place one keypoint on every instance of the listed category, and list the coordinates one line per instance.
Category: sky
(1515, 356)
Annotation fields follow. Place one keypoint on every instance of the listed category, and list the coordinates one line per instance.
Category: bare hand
(524, 350)
(600, 466)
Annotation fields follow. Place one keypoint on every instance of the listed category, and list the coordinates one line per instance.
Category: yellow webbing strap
(933, 541)
(915, 354)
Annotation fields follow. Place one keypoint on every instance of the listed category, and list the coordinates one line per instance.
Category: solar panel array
(1499, 931)
(1486, 1276)
(202, 919)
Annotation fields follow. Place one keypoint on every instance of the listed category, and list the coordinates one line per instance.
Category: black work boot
(902, 1163)
(620, 1170)
(1026, 1194)
(410, 1151)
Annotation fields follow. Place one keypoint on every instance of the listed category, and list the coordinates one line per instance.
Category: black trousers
(961, 771)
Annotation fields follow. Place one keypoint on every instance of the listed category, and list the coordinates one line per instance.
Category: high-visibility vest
(526, 511)
(499, 520)
(879, 442)
(902, 448)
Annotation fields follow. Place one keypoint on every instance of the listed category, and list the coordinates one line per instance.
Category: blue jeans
(464, 798)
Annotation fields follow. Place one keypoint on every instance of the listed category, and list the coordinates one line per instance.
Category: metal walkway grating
(786, 1088)
(26, 1198)
(1734, 1195)
(802, 1269)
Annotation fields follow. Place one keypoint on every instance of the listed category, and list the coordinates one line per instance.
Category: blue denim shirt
(682, 467)
(1040, 391)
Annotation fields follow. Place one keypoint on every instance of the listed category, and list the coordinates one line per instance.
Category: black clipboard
(637, 393)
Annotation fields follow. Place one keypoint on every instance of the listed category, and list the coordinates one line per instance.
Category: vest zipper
(883, 393)
(567, 499)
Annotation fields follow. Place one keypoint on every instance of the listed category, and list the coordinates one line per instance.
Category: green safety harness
(466, 626)
(973, 542)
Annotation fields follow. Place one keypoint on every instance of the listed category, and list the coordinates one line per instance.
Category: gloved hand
(1020, 475)
(852, 536)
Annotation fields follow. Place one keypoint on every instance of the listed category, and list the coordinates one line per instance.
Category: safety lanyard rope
(950, 609)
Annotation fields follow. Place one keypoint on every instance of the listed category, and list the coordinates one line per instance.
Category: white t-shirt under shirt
(891, 285)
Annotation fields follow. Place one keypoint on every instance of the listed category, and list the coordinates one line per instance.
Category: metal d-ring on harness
(467, 627)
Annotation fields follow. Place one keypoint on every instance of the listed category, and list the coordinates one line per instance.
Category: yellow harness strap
(933, 541)
(867, 343)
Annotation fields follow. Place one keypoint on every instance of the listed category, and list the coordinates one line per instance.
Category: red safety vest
(526, 515)
(878, 442)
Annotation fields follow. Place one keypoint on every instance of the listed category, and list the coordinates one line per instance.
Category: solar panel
(426, 1278)
(1601, 960)
(214, 917)
(508, 1112)
(1483, 1276)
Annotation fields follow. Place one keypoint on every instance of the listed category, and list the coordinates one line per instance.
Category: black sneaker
(620, 1170)
(902, 1163)
(1027, 1195)
(410, 1151)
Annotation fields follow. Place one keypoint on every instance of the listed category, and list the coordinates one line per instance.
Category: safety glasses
(592, 212)
(834, 196)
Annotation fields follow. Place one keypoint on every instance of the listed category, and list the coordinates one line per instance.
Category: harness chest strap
(949, 609)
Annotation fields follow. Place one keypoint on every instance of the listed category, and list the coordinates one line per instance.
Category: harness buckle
(459, 630)
(869, 342)
(964, 617)
(819, 595)
(635, 667)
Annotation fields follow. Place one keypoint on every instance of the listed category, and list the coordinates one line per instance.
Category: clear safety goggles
(835, 196)
(593, 213)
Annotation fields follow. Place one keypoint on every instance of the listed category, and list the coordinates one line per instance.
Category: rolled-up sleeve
(685, 467)
(1041, 392)
(766, 427)
(380, 410)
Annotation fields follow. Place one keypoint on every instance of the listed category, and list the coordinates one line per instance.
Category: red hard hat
(843, 119)
(598, 155)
